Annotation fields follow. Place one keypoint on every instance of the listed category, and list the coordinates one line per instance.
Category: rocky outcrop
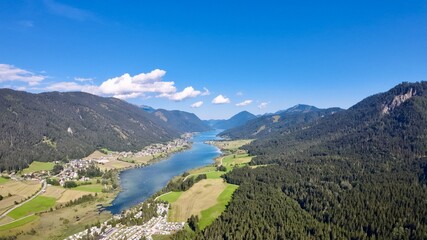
(397, 101)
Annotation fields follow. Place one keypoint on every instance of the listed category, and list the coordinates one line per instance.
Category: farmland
(200, 196)
(16, 191)
(208, 198)
(38, 204)
(38, 166)
(170, 197)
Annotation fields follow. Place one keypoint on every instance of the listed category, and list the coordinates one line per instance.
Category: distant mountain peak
(299, 108)
(236, 120)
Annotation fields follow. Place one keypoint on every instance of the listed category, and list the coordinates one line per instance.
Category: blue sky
(263, 56)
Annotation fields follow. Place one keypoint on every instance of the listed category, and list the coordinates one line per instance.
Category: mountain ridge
(234, 121)
(55, 125)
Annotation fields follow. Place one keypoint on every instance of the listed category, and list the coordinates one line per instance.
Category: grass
(18, 223)
(20, 190)
(38, 166)
(4, 180)
(170, 197)
(210, 214)
(232, 145)
(199, 197)
(202, 170)
(38, 204)
(161, 237)
(214, 175)
(96, 188)
(236, 159)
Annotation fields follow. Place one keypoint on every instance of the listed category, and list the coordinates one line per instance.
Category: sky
(214, 58)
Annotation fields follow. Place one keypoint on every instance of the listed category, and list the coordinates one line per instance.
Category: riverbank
(132, 180)
(60, 212)
(208, 197)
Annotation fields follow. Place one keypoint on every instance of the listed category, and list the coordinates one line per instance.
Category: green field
(170, 197)
(38, 166)
(38, 204)
(3, 180)
(235, 159)
(210, 214)
(214, 175)
(161, 237)
(18, 223)
(96, 188)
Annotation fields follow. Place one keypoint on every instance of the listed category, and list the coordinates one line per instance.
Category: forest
(357, 174)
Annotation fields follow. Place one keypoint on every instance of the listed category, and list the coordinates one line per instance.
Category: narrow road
(162, 195)
(22, 203)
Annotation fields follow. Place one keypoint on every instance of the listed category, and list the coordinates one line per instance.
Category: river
(140, 183)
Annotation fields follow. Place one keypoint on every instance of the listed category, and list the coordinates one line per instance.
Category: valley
(320, 173)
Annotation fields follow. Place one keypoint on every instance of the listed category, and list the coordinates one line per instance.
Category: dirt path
(22, 203)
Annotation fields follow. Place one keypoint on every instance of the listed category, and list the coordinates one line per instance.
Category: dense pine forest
(60, 126)
(357, 174)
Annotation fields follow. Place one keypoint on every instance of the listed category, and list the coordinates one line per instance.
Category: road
(22, 203)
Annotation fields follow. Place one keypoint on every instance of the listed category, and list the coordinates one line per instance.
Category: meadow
(199, 197)
(38, 166)
(38, 204)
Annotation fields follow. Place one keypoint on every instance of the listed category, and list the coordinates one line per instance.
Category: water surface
(140, 183)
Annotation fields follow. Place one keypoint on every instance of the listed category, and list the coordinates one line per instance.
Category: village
(70, 170)
(155, 226)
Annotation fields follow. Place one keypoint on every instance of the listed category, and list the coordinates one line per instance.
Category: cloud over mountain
(11, 73)
(220, 100)
(244, 103)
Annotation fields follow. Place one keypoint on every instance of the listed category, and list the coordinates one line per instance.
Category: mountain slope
(360, 174)
(54, 126)
(236, 120)
(181, 121)
(288, 120)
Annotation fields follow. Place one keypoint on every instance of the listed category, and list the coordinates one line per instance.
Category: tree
(57, 168)
(193, 222)
(70, 184)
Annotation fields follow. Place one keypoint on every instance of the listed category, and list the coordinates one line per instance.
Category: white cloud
(220, 100)
(206, 92)
(127, 86)
(188, 92)
(244, 103)
(142, 83)
(197, 104)
(239, 93)
(262, 105)
(128, 96)
(72, 86)
(82, 79)
(12, 73)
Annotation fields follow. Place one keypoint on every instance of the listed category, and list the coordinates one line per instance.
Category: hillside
(281, 122)
(357, 174)
(181, 121)
(235, 121)
(55, 126)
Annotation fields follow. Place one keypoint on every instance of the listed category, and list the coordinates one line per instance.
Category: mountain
(181, 121)
(360, 173)
(147, 108)
(236, 120)
(54, 126)
(287, 120)
(300, 108)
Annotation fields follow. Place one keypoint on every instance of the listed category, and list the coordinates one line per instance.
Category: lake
(140, 183)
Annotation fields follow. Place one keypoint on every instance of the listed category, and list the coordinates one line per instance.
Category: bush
(70, 184)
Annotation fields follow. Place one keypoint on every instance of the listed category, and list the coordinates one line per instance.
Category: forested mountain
(289, 120)
(357, 174)
(236, 120)
(54, 126)
(181, 121)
